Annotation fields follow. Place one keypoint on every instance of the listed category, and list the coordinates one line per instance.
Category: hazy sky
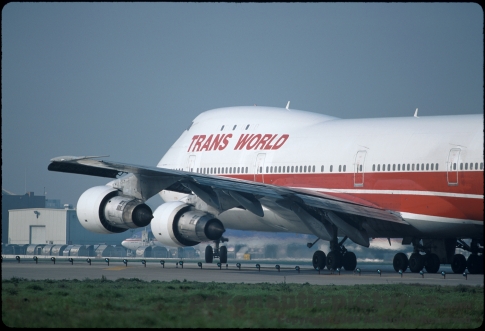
(126, 79)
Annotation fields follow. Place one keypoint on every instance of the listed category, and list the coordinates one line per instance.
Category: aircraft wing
(318, 211)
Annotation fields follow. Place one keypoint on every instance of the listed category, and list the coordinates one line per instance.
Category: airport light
(238, 265)
(338, 270)
(258, 266)
(71, 260)
(219, 265)
(400, 272)
(162, 262)
(358, 271)
(465, 275)
(125, 261)
(144, 263)
(199, 264)
(53, 259)
(17, 258)
(379, 272)
(421, 273)
(443, 274)
(181, 264)
(88, 260)
(35, 259)
(318, 269)
(297, 268)
(107, 261)
(277, 267)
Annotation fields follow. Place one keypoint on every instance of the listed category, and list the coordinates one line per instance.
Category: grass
(132, 302)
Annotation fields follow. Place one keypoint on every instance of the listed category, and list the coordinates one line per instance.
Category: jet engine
(102, 210)
(178, 224)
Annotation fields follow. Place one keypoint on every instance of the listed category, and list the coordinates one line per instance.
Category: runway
(246, 272)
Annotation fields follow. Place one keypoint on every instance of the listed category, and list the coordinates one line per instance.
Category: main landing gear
(474, 263)
(337, 258)
(218, 252)
(446, 248)
(416, 262)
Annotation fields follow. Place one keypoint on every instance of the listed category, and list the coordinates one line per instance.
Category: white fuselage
(429, 169)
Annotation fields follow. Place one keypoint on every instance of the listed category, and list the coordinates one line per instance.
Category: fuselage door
(191, 163)
(359, 168)
(452, 166)
(258, 168)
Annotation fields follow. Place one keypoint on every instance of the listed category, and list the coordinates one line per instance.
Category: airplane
(274, 169)
(143, 238)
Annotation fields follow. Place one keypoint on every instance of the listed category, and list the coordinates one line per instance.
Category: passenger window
(378, 167)
(393, 167)
(331, 168)
(427, 166)
(339, 168)
(247, 126)
(292, 169)
(399, 167)
(383, 167)
(237, 169)
(476, 166)
(412, 166)
(321, 169)
(230, 170)
(283, 169)
(222, 128)
(361, 168)
(466, 166)
(267, 170)
(234, 128)
(481, 165)
(408, 166)
(301, 168)
(454, 166)
(461, 166)
(422, 166)
(344, 167)
(296, 168)
(313, 168)
(388, 167)
(304, 169)
(373, 167)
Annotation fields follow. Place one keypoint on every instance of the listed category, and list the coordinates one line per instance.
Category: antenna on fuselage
(416, 113)
(288, 106)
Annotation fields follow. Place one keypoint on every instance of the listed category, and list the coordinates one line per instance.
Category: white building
(55, 227)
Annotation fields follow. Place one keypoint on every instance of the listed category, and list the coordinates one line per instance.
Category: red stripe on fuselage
(427, 203)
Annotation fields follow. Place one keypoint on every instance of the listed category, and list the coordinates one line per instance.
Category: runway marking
(116, 268)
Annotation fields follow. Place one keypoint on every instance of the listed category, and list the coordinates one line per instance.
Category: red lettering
(225, 141)
(243, 141)
(268, 145)
(216, 142)
(207, 143)
(199, 141)
(193, 139)
(281, 141)
(263, 141)
(254, 141)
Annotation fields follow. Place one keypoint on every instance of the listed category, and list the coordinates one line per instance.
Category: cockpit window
(190, 126)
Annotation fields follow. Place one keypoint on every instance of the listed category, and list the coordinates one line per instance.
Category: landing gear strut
(337, 258)
(474, 263)
(218, 252)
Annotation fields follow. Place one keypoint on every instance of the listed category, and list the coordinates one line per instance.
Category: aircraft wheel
(223, 254)
(349, 261)
(432, 263)
(319, 260)
(416, 262)
(334, 260)
(458, 263)
(209, 254)
(400, 262)
(473, 264)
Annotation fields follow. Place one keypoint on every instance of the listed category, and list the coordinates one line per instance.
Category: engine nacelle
(178, 224)
(102, 210)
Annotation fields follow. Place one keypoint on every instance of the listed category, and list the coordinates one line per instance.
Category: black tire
(473, 264)
(349, 261)
(223, 254)
(400, 262)
(416, 262)
(334, 260)
(432, 263)
(458, 263)
(209, 254)
(319, 260)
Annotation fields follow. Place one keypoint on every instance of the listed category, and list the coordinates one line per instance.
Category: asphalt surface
(247, 272)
